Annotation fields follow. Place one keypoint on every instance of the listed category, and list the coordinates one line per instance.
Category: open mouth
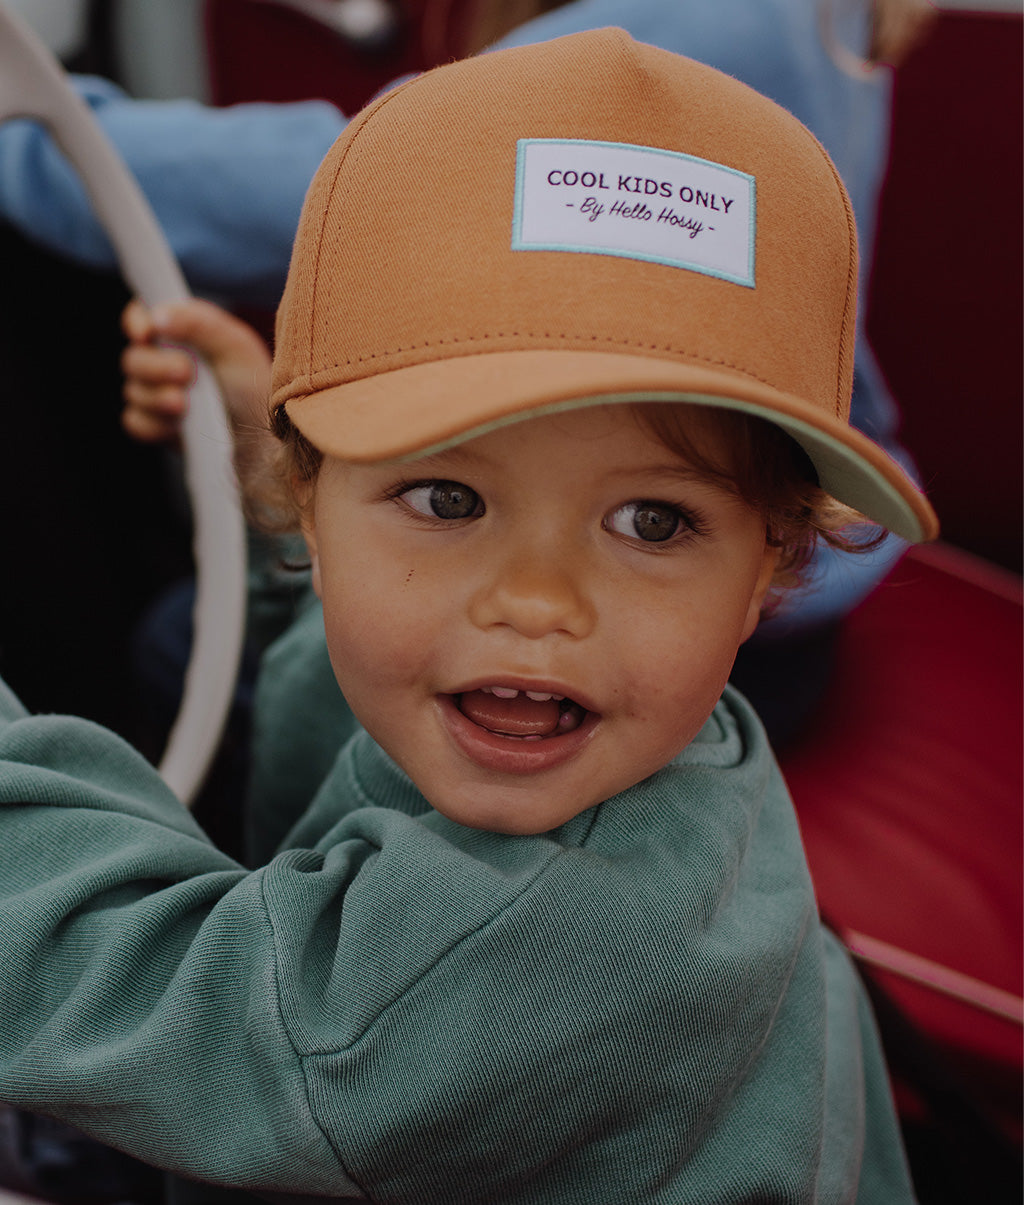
(525, 715)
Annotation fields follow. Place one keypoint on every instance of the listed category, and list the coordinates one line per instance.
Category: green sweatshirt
(640, 1006)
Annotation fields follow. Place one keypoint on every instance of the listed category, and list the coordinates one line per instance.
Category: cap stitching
(532, 335)
(351, 136)
(850, 304)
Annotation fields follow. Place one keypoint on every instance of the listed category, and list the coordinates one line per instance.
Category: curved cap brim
(412, 411)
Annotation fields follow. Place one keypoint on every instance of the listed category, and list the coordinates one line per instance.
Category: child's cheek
(676, 679)
(375, 637)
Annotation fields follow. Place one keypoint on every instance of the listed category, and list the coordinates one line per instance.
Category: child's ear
(769, 563)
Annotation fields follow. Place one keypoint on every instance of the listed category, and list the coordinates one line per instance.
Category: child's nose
(536, 595)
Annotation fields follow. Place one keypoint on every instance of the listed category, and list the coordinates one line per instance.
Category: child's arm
(138, 970)
(159, 372)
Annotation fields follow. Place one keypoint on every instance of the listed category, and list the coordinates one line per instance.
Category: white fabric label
(607, 198)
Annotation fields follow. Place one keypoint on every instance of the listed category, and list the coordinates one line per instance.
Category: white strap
(33, 85)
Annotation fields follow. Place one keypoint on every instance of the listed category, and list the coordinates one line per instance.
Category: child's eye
(652, 522)
(443, 500)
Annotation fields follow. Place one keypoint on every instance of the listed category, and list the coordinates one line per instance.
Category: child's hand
(158, 377)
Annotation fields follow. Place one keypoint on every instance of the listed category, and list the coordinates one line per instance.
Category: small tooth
(486, 690)
(504, 692)
(539, 696)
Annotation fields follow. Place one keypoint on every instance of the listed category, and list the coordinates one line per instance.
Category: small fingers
(137, 322)
(154, 365)
(156, 379)
(161, 399)
(158, 371)
(156, 391)
(148, 426)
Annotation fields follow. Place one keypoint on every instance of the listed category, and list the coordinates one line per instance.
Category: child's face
(570, 555)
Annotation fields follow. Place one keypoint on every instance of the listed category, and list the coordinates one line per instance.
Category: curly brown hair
(774, 476)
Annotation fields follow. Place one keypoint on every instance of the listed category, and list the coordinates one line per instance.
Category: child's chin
(510, 818)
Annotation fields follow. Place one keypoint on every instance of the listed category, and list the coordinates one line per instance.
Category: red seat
(908, 788)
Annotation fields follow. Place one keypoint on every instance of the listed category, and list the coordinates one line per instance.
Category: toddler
(560, 393)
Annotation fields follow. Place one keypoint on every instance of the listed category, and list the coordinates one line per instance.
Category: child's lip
(508, 754)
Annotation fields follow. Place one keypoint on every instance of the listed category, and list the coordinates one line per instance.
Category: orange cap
(580, 221)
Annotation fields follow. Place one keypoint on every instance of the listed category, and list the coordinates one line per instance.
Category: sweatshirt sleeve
(138, 983)
(226, 185)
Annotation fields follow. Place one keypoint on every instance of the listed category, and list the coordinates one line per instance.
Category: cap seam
(679, 351)
(353, 130)
(850, 304)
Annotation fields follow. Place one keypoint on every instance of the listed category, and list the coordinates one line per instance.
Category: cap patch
(608, 198)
